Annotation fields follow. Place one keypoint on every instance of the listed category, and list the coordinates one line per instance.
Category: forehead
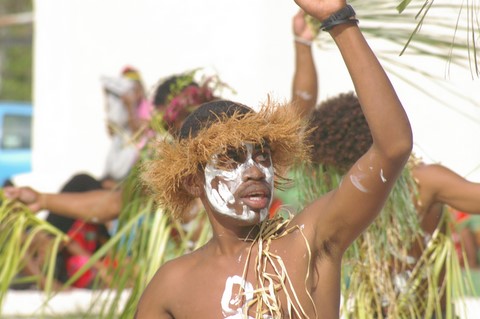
(246, 146)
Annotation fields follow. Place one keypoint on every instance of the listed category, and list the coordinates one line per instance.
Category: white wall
(248, 43)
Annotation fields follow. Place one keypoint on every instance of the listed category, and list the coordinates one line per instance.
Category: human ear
(193, 184)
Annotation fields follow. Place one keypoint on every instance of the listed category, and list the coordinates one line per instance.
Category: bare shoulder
(159, 296)
(426, 174)
(423, 168)
(316, 210)
(167, 276)
(319, 223)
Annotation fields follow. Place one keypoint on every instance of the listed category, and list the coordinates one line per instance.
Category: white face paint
(222, 198)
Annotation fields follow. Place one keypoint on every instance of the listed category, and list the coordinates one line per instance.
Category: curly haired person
(409, 233)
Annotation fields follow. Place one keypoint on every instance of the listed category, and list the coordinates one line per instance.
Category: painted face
(239, 183)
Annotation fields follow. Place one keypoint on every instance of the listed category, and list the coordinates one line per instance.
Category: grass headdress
(212, 129)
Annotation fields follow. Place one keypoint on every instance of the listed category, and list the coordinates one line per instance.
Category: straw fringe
(176, 161)
(266, 297)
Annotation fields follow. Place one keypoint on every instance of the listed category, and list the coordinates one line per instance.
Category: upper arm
(440, 184)
(344, 213)
(154, 300)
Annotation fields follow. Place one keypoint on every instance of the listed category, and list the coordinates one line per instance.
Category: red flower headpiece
(188, 99)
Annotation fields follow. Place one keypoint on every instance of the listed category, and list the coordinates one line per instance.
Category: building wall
(248, 43)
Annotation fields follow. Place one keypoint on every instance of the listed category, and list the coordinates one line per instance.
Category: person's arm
(305, 82)
(95, 206)
(160, 294)
(439, 184)
(344, 213)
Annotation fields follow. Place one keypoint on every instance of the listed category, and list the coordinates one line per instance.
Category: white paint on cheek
(221, 197)
(247, 213)
(225, 193)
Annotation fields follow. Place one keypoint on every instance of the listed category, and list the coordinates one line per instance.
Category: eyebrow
(263, 145)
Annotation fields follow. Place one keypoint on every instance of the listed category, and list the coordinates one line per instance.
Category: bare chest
(269, 284)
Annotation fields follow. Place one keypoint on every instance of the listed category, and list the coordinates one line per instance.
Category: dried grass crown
(212, 129)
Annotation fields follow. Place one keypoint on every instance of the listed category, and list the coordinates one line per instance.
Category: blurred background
(54, 53)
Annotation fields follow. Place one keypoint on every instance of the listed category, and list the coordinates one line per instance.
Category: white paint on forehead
(228, 183)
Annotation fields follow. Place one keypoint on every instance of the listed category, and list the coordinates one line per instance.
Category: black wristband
(343, 15)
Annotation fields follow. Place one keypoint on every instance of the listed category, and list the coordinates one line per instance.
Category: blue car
(15, 139)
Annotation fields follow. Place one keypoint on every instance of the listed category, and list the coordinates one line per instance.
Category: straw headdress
(230, 125)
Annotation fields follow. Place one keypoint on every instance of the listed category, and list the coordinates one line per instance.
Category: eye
(231, 158)
(263, 156)
(238, 155)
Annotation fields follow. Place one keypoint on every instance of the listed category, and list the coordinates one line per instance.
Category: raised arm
(95, 206)
(344, 213)
(439, 184)
(305, 83)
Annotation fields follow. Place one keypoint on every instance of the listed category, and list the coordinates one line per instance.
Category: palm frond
(20, 230)
(379, 278)
(443, 30)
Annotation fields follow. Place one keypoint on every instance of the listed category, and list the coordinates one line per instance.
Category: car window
(16, 132)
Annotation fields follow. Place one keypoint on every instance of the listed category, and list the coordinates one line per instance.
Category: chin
(253, 217)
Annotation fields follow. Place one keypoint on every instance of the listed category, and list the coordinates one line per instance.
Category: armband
(342, 16)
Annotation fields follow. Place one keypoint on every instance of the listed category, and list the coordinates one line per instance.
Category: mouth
(256, 199)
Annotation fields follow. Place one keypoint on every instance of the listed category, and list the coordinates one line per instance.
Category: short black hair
(163, 90)
(208, 113)
(341, 134)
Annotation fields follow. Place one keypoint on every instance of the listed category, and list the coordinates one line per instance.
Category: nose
(253, 172)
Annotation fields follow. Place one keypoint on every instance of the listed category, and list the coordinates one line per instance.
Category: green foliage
(437, 29)
(16, 53)
(181, 83)
(20, 229)
(380, 278)
(16, 84)
(15, 6)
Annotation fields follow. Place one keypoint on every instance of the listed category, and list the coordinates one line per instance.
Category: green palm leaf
(19, 229)
(447, 32)
(370, 287)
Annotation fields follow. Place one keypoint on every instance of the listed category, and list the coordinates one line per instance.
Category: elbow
(397, 148)
(401, 150)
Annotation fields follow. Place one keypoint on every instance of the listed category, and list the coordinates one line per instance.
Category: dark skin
(329, 224)
(440, 186)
